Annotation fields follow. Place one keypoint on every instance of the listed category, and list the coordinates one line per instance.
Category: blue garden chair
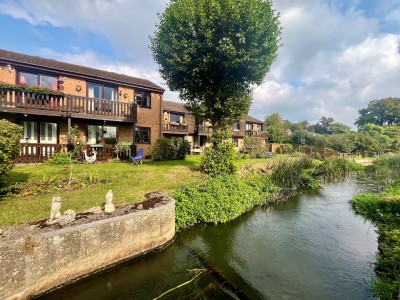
(137, 159)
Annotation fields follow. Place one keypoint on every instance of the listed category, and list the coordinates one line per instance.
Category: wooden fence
(38, 153)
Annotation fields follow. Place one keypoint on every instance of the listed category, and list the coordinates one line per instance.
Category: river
(311, 247)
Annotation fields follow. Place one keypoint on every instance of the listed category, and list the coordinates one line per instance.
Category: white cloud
(347, 81)
(127, 24)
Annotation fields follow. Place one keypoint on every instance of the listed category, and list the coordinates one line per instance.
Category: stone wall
(33, 261)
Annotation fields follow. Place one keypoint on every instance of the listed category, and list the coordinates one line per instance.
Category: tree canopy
(380, 112)
(213, 51)
(277, 128)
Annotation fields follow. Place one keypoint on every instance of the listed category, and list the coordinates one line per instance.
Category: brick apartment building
(179, 123)
(108, 107)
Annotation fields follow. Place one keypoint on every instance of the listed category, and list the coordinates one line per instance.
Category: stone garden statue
(109, 207)
(55, 208)
(55, 214)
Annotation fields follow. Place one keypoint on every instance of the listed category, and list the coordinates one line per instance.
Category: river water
(311, 247)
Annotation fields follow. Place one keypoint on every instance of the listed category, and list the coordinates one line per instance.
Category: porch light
(7, 67)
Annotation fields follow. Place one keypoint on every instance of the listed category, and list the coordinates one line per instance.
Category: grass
(129, 184)
(384, 210)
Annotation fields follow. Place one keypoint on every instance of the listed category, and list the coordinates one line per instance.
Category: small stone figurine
(55, 214)
(109, 207)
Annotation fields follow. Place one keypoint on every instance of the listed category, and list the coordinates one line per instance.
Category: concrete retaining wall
(33, 262)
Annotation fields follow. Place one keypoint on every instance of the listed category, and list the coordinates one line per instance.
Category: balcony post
(69, 109)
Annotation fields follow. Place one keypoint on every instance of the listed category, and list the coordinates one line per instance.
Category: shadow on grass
(15, 176)
(10, 184)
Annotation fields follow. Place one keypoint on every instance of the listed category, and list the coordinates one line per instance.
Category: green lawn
(129, 184)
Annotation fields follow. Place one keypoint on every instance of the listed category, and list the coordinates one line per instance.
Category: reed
(294, 173)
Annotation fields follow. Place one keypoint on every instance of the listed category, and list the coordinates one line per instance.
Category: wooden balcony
(38, 153)
(66, 106)
(257, 134)
(204, 130)
(175, 128)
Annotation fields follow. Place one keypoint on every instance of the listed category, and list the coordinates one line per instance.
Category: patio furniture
(137, 159)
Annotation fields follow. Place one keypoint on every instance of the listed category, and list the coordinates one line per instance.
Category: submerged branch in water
(198, 273)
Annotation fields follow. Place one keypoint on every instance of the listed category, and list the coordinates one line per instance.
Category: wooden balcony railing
(38, 153)
(205, 130)
(172, 127)
(75, 106)
(257, 134)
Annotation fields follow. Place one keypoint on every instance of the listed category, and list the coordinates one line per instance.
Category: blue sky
(337, 55)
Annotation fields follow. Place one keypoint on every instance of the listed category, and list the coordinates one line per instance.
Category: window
(249, 127)
(100, 91)
(236, 142)
(143, 99)
(42, 80)
(47, 133)
(236, 127)
(259, 127)
(97, 133)
(142, 135)
(175, 118)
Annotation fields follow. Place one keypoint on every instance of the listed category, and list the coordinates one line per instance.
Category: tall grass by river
(384, 209)
(221, 199)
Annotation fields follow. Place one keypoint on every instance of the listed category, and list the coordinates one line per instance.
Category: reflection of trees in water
(215, 247)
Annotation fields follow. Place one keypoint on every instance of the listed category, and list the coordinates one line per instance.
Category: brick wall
(150, 117)
(128, 92)
(125, 133)
(70, 86)
(6, 76)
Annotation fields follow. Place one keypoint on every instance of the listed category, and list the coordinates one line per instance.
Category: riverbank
(384, 210)
(222, 199)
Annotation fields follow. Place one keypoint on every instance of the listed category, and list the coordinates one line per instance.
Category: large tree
(380, 112)
(277, 128)
(213, 51)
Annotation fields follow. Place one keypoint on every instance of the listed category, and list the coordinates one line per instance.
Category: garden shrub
(182, 148)
(60, 158)
(76, 138)
(264, 186)
(163, 150)
(255, 147)
(169, 149)
(10, 136)
(219, 159)
(216, 200)
(287, 148)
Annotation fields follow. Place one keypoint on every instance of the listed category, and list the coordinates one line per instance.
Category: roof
(63, 68)
(250, 119)
(174, 106)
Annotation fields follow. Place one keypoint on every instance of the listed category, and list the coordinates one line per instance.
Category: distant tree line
(378, 130)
